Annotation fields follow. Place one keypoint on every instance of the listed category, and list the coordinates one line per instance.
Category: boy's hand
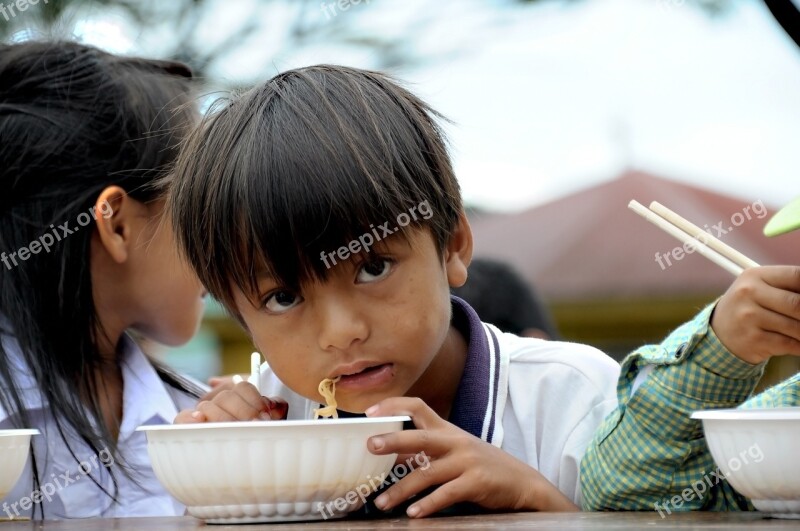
(240, 402)
(465, 468)
(219, 384)
(759, 315)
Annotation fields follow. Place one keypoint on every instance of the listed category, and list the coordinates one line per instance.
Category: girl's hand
(465, 468)
(241, 402)
(759, 315)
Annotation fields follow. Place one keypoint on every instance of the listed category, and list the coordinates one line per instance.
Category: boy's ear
(113, 212)
(458, 253)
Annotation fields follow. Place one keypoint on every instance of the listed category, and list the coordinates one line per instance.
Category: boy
(321, 209)
(650, 449)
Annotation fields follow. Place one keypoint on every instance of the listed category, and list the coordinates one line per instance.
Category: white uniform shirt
(541, 401)
(66, 491)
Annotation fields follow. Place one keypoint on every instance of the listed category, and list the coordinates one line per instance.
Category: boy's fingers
(781, 277)
(779, 344)
(215, 391)
(410, 442)
(448, 494)
(214, 413)
(282, 407)
(418, 480)
(187, 416)
(221, 383)
(422, 415)
(781, 301)
(402, 458)
(232, 399)
(277, 408)
(241, 403)
(779, 323)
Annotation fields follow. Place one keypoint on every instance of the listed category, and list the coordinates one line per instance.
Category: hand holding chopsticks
(759, 316)
(231, 401)
(688, 233)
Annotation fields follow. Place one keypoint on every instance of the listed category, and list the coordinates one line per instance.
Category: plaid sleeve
(649, 454)
(784, 394)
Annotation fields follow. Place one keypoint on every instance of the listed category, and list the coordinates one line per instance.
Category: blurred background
(562, 111)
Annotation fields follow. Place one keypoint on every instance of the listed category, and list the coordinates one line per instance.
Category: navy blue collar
(473, 407)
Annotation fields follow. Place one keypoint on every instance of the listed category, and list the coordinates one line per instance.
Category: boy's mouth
(364, 376)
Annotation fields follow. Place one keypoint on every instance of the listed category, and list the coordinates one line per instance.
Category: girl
(85, 138)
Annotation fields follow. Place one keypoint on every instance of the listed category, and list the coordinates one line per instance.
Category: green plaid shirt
(648, 451)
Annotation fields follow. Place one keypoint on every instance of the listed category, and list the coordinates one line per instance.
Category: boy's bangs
(289, 232)
(317, 181)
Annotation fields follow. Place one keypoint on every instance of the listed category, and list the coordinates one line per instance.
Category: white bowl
(270, 471)
(14, 449)
(756, 450)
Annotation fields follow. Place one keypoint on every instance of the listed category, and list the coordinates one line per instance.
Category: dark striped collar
(474, 408)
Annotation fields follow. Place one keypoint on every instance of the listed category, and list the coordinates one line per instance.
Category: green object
(785, 220)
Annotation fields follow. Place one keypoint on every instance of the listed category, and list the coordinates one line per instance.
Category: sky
(561, 97)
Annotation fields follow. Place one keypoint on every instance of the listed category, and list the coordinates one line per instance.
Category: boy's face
(378, 321)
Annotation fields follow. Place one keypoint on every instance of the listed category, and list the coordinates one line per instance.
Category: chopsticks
(255, 372)
(685, 231)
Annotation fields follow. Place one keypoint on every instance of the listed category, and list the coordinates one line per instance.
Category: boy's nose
(340, 325)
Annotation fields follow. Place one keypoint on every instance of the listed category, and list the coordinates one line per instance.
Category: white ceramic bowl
(14, 446)
(756, 450)
(269, 471)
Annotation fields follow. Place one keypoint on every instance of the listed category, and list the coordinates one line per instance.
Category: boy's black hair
(301, 165)
(502, 297)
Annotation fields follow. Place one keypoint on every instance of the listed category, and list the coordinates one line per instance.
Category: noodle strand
(327, 388)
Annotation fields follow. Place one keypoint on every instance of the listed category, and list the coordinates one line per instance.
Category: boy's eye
(281, 301)
(374, 270)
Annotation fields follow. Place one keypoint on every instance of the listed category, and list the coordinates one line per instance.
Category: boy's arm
(649, 454)
(784, 394)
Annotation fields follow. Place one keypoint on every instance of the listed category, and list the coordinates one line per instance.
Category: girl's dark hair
(301, 165)
(73, 121)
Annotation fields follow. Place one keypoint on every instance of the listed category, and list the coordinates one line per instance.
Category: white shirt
(541, 401)
(146, 400)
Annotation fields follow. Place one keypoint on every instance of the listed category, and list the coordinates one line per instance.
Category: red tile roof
(589, 245)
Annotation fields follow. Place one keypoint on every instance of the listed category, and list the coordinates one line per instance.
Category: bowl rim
(14, 432)
(275, 424)
(779, 413)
